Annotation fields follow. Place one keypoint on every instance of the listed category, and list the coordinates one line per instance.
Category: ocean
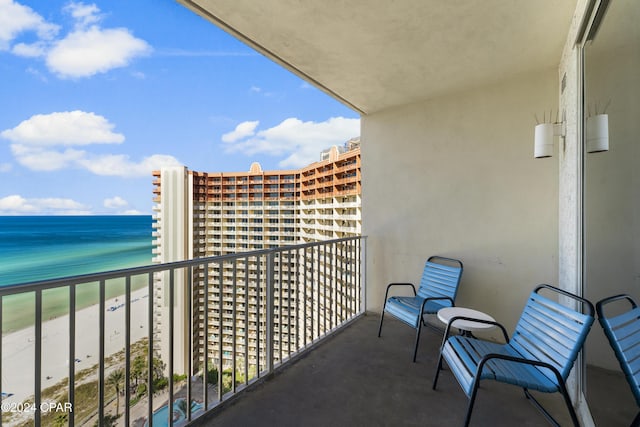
(45, 247)
(36, 248)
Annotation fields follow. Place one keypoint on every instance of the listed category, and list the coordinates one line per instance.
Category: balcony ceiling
(374, 54)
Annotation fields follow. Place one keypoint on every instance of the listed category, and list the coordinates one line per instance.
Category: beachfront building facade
(207, 214)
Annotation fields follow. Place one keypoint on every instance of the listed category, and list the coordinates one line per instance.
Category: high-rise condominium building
(205, 214)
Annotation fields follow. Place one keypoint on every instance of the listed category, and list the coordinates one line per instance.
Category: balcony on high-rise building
(449, 94)
(290, 324)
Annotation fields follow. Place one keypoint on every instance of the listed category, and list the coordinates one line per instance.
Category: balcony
(453, 180)
(358, 379)
(353, 378)
(151, 335)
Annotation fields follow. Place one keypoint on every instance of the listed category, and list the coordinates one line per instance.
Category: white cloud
(260, 91)
(115, 202)
(84, 53)
(301, 142)
(204, 53)
(18, 205)
(33, 50)
(131, 212)
(84, 14)
(5, 167)
(37, 159)
(121, 165)
(45, 142)
(243, 130)
(16, 18)
(64, 128)
(36, 74)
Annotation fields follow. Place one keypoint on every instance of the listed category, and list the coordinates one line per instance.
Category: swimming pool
(161, 416)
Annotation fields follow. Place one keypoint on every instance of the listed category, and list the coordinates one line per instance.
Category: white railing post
(363, 273)
(127, 351)
(72, 352)
(270, 285)
(101, 352)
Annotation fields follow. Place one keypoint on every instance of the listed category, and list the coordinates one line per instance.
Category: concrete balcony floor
(358, 379)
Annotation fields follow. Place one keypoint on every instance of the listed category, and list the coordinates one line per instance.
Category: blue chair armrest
(473, 319)
(386, 294)
(536, 363)
(426, 300)
(441, 298)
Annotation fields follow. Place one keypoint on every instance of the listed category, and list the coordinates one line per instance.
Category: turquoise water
(161, 416)
(46, 247)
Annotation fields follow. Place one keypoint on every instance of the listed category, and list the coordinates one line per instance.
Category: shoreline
(18, 310)
(18, 355)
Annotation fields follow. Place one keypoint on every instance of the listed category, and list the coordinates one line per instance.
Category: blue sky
(95, 95)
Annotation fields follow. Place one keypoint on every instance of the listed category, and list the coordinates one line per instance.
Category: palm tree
(158, 368)
(182, 406)
(115, 380)
(138, 373)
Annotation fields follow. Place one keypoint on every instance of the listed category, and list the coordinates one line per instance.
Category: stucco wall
(456, 177)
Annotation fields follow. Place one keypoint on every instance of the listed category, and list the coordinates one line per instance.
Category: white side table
(466, 327)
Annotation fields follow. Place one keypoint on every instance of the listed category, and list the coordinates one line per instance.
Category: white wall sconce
(598, 133)
(544, 134)
(597, 130)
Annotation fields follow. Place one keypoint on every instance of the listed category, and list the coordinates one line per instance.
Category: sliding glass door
(611, 167)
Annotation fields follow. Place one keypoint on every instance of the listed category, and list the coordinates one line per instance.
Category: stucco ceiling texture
(376, 54)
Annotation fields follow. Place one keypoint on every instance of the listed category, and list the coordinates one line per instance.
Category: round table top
(447, 313)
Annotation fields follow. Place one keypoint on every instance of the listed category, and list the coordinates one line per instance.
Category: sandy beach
(18, 348)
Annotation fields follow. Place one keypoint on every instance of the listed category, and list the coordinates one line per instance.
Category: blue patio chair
(438, 289)
(539, 356)
(623, 332)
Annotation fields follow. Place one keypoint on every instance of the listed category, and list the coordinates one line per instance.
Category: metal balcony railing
(152, 331)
